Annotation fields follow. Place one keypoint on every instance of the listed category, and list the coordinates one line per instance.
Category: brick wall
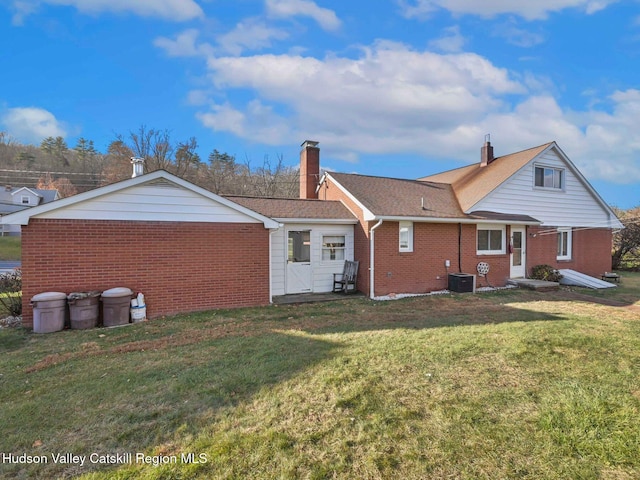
(179, 267)
(424, 270)
(591, 252)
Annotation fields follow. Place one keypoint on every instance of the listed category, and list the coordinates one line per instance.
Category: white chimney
(138, 166)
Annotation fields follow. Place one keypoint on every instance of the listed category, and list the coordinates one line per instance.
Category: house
(511, 212)
(15, 199)
(188, 249)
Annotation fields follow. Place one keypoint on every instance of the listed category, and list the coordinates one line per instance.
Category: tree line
(53, 164)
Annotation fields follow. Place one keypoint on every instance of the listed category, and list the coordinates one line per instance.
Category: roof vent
(138, 166)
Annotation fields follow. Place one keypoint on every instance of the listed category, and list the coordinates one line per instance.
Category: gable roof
(473, 182)
(7, 202)
(394, 198)
(289, 209)
(22, 217)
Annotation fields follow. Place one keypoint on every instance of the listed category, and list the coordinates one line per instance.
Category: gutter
(372, 258)
(472, 221)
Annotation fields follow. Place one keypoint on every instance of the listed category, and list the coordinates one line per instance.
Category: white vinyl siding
(158, 201)
(323, 270)
(573, 207)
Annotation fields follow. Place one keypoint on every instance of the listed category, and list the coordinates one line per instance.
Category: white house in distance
(15, 199)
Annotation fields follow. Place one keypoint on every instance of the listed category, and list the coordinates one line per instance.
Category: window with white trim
(25, 200)
(405, 237)
(491, 239)
(333, 247)
(549, 177)
(564, 243)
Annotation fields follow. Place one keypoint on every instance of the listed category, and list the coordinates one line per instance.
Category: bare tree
(626, 242)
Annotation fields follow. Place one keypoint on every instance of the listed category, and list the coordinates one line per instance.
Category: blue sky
(401, 88)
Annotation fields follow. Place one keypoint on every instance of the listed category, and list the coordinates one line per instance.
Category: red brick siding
(180, 267)
(591, 253)
(424, 270)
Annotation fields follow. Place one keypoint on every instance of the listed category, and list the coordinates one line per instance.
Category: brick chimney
(486, 152)
(309, 169)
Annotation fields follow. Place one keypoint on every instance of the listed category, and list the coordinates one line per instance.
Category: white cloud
(518, 36)
(451, 42)
(174, 10)
(392, 99)
(531, 10)
(252, 34)
(383, 101)
(31, 124)
(326, 18)
(184, 45)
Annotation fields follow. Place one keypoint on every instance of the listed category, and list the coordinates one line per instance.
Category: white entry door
(299, 271)
(518, 252)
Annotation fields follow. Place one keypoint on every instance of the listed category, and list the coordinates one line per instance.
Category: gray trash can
(49, 310)
(84, 309)
(115, 306)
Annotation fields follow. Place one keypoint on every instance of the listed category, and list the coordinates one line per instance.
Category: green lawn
(10, 248)
(506, 385)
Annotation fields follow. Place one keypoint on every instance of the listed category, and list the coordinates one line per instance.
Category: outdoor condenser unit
(462, 283)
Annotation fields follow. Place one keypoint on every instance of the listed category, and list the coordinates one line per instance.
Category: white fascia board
(27, 189)
(22, 217)
(367, 214)
(471, 221)
(326, 221)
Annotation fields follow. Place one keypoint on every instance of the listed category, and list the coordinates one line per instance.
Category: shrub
(545, 272)
(11, 292)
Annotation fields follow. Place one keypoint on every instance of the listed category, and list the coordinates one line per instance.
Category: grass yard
(10, 248)
(507, 385)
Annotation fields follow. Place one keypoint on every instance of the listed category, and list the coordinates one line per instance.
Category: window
(333, 247)
(25, 200)
(406, 237)
(564, 244)
(547, 177)
(491, 239)
(299, 246)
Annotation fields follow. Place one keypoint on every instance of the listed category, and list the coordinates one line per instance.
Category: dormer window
(25, 200)
(549, 177)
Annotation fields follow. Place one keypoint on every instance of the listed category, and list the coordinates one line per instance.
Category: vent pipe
(138, 166)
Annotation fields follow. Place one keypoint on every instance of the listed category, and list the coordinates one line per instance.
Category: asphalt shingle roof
(473, 182)
(295, 208)
(402, 198)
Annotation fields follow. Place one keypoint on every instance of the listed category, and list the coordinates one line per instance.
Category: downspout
(372, 257)
(459, 247)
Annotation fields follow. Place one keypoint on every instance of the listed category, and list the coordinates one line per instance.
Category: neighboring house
(512, 212)
(188, 249)
(15, 199)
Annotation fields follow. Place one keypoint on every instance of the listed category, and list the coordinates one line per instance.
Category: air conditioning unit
(462, 283)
